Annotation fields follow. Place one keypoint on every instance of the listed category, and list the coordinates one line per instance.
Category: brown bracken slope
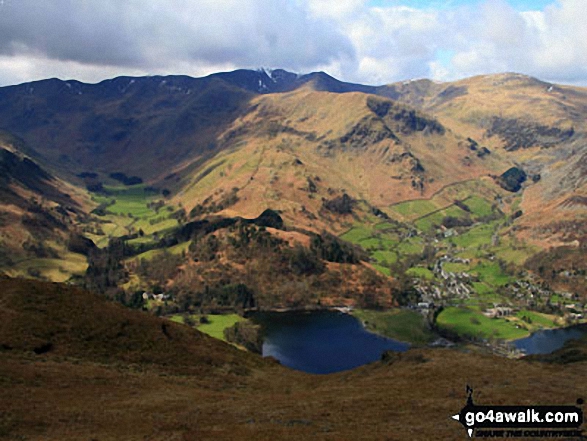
(75, 367)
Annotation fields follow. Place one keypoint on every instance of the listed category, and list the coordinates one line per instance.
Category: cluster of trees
(236, 265)
(452, 222)
(245, 334)
(341, 204)
(210, 206)
(512, 179)
(244, 266)
(159, 268)
(562, 267)
(105, 269)
(126, 180)
(332, 249)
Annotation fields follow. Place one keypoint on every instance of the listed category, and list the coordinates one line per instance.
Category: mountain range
(89, 163)
(268, 190)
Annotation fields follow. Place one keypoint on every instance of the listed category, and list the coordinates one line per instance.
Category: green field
(385, 226)
(537, 319)
(421, 272)
(130, 200)
(383, 257)
(456, 267)
(414, 209)
(428, 222)
(414, 245)
(57, 270)
(383, 244)
(479, 207)
(517, 254)
(467, 322)
(128, 209)
(477, 236)
(218, 323)
(154, 224)
(177, 318)
(382, 269)
(482, 288)
(356, 234)
(399, 324)
(176, 249)
(140, 240)
(388, 243)
(492, 274)
(371, 242)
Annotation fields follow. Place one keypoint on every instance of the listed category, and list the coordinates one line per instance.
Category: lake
(548, 340)
(321, 342)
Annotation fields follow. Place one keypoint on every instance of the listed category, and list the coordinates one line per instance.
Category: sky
(365, 41)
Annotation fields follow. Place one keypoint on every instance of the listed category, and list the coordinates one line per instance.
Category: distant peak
(509, 76)
(267, 71)
(279, 74)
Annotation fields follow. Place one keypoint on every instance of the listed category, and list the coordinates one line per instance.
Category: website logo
(520, 421)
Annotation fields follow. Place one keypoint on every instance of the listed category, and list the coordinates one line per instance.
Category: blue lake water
(548, 340)
(321, 342)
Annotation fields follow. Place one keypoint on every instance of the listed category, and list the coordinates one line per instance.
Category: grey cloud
(67, 30)
(152, 33)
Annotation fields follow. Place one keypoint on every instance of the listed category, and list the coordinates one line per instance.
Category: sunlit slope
(295, 150)
(39, 214)
(480, 101)
(240, 142)
(538, 125)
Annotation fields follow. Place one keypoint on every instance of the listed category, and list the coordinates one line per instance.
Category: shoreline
(312, 308)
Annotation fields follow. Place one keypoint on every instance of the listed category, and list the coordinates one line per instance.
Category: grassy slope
(56, 270)
(399, 324)
(469, 322)
(284, 141)
(193, 387)
(216, 323)
(527, 101)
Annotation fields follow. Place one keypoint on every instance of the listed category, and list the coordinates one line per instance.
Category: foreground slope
(76, 367)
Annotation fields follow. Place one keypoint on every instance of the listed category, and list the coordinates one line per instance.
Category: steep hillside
(188, 136)
(493, 102)
(141, 127)
(39, 217)
(486, 168)
(76, 367)
(58, 320)
(297, 151)
(123, 125)
(538, 125)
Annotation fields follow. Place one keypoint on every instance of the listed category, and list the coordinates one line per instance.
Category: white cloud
(398, 42)
(336, 9)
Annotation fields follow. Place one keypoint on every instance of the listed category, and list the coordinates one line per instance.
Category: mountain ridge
(325, 154)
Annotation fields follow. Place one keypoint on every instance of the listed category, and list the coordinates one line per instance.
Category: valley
(139, 214)
(432, 199)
